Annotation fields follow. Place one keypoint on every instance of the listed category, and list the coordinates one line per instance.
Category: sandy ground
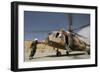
(47, 53)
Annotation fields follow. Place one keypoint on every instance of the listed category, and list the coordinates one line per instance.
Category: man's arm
(41, 43)
(32, 45)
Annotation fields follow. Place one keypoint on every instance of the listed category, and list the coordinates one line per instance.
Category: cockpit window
(57, 34)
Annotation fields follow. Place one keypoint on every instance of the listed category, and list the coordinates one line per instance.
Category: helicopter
(67, 40)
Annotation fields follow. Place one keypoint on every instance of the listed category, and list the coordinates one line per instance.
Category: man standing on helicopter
(33, 47)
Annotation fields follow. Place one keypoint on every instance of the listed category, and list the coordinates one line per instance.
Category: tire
(67, 53)
(58, 53)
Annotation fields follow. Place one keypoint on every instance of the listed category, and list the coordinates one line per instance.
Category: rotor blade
(39, 31)
(79, 35)
(81, 27)
(70, 22)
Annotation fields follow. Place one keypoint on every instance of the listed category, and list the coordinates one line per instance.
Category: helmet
(35, 39)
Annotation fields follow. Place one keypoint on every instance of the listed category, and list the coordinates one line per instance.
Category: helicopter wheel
(58, 53)
(88, 52)
(67, 53)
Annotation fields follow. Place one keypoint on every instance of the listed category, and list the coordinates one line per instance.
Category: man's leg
(32, 54)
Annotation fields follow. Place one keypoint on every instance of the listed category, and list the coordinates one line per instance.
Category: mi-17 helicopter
(67, 40)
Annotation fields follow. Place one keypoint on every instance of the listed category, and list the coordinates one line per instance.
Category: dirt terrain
(45, 52)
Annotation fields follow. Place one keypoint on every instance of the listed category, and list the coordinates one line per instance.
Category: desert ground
(47, 53)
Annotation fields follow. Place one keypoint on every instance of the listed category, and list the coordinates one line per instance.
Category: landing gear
(67, 53)
(88, 51)
(58, 53)
(67, 49)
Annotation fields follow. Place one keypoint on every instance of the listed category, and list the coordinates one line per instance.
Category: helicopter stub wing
(53, 44)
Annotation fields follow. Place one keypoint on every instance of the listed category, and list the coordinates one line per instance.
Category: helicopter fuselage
(72, 41)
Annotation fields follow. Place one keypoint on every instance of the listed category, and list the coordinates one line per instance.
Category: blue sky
(39, 24)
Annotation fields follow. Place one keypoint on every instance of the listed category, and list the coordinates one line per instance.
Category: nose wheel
(58, 53)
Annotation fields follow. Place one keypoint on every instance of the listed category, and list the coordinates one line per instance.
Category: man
(33, 48)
